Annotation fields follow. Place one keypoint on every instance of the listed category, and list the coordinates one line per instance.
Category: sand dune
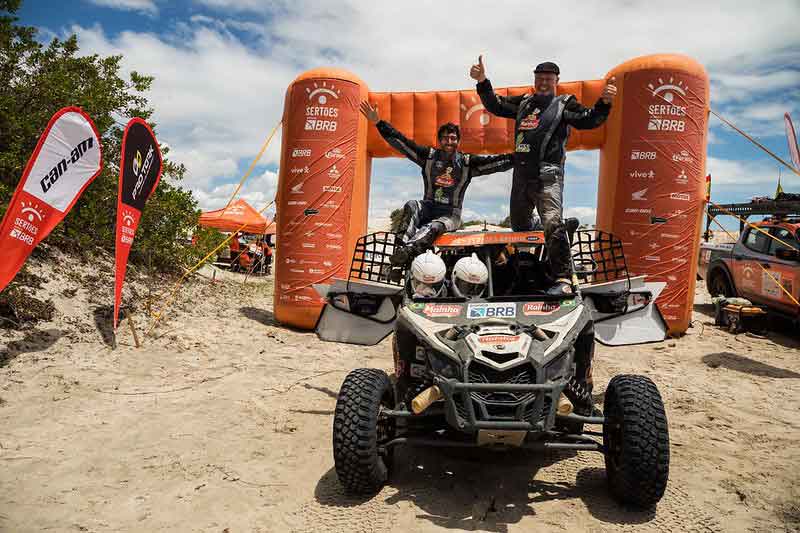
(222, 422)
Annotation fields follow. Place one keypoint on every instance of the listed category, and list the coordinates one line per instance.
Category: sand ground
(221, 422)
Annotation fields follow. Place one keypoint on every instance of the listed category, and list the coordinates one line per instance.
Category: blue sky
(222, 67)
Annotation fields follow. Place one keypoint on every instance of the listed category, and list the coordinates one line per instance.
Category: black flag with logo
(139, 172)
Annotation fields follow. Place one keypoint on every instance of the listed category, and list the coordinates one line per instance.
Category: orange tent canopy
(236, 215)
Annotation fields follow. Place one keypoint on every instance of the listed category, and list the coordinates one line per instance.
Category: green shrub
(37, 80)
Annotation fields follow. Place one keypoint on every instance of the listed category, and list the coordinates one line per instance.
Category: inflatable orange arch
(651, 192)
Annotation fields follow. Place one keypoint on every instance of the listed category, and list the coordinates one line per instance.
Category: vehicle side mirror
(787, 254)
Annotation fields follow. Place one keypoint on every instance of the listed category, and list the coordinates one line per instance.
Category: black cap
(547, 66)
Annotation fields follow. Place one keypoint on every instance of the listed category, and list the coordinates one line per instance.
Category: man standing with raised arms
(446, 173)
(540, 138)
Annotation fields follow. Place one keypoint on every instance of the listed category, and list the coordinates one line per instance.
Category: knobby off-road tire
(719, 284)
(356, 429)
(636, 440)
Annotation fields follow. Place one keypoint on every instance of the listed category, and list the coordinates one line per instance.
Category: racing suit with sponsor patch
(541, 131)
(446, 179)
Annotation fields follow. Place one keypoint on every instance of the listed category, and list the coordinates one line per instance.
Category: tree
(396, 218)
(472, 223)
(36, 80)
(506, 223)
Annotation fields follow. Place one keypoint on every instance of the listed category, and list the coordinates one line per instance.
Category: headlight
(442, 365)
(558, 367)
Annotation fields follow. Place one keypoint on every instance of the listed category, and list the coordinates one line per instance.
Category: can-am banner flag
(66, 160)
(139, 172)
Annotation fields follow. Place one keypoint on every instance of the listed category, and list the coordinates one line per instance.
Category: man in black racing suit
(446, 173)
(540, 138)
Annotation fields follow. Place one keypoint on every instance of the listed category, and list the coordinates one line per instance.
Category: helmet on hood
(427, 275)
(469, 277)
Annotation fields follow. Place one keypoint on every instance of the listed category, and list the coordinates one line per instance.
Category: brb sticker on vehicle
(492, 311)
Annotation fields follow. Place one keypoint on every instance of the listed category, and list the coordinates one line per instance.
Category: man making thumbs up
(540, 138)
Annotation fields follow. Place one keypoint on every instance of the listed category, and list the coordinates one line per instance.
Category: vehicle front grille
(533, 416)
(522, 374)
(499, 358)
(501, 411)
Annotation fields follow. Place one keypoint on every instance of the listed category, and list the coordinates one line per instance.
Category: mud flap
(613, 306)
(357, 312)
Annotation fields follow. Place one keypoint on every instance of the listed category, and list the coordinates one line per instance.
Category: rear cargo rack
(598, 257)
(371, 260)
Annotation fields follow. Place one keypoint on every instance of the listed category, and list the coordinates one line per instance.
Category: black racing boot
(401, 256)
(404, 254)
(396, 275)
(401, 259)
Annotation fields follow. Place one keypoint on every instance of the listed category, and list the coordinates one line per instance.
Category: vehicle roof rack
(748, 209)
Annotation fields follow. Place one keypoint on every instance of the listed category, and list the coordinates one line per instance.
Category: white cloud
(144, 6)
(492, 216)
(215, 100)
(258, 191)
(390, 190)
(493, 187)
(714, 137)
(228, 25)
(237, 5)
(586, 215)
(761, 175)
(762, 119)
(582, 166)
(743, 87)
(585, 161)
(221, 73)
(205, 165)
(439, 55)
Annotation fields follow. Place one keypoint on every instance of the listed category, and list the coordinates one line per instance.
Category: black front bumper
(540, 406)
(469, 406)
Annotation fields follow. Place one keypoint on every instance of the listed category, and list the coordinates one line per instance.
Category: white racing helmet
(469, 277)
(427, 275)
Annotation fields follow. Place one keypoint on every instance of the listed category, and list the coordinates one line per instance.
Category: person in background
(235, 244)
(236, 250)
(245, 260)
(267, 258)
